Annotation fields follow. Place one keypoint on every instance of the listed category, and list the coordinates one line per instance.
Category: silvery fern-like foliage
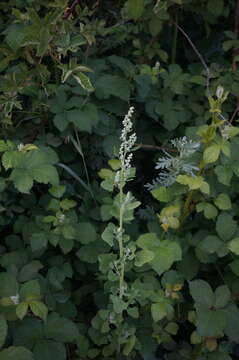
(172, 166)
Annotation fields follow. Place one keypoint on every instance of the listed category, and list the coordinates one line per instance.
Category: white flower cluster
(127, 143)
(15, 299)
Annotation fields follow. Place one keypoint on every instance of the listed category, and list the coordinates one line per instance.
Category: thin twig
(70, 10)
(198, 54)
(154, 147)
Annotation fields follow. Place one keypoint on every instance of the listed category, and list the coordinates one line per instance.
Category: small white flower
(15, 299)
(20, 147)
(61, 218)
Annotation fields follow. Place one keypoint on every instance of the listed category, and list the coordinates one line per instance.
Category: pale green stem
(120, 239)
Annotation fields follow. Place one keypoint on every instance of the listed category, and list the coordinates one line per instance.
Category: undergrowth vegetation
(119, 180)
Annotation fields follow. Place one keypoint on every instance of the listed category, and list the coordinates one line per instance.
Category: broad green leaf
(158, 311)
(211, 244)
(49, 350)
(129, 345)
(87, 233)
(39, 309)
(201, 292)
(118, 304)
(211, 154)
(209, 210)
(38, 241)
(224, 174)
(30, 291)
(16, 353)
(57, 191)
(223, 202)
(168, 253)
(234, 246)
(3, 330)
(234, 266)
(222, 296)
(215, 7)
(84, 81)
(161, 194)
(232, 327)
(21, 310)
(134, 8)
(108, 234)
(8, 285)
(108, 85)
(194, 182)
(84, 119)
(210, 322)
(29, 271)
(225, 226)
(22, 180)
(143, 257)
(60, 329)
(44, 37)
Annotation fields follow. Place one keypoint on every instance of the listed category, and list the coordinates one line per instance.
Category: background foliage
(69, 73)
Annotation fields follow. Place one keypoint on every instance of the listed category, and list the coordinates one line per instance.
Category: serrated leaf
(44, 38)
(38, 241)
(30, 291)
(22, 180)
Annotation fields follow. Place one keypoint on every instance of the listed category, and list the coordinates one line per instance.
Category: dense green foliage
(99, 260)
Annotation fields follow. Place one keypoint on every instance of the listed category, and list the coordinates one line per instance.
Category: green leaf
(39, 241)
(211, 244)
(225, 226)
(143, 257)
(234, 266)
(224, 174)
(30, 291)
(3, 330)
(134, 8)
(57, 191)
(22, 180)
(8, 286)
(39, 309)
(158, 311)
(234, 246)
(48, 350)
(21, 310)
(201, 292)
(44, 38)
(87, 233)
(215, 7)
(84, 81)
(222, 296)
(209, 210)
(16, 353)
(223, 202)
(210, 322)
(129, 345)
(29, 271)
(211, 154)
(60, 329)
(85, 118)
(118, 304)
(108, 234)
(108, 85)
(165, 256)
(161, 194)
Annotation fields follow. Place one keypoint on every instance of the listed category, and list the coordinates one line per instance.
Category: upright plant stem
(120, 240)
